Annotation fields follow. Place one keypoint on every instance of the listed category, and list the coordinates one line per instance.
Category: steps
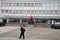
(41, 25)
(13, 24)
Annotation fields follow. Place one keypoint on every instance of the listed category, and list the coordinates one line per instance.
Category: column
(34, 21)
(49, 21)
(20, 21)
(7, 20)
(53, 22)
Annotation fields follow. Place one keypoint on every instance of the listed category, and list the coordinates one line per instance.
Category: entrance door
(27, 21)
(31, 22)
(13, 22)
(42, 23)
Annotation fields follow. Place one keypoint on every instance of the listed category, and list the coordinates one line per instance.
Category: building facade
(43, 11)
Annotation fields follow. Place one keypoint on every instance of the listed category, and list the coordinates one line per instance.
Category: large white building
(43, 11)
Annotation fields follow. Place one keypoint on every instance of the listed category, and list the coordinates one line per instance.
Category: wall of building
(24, 8)
(0, 6)
(31, 0)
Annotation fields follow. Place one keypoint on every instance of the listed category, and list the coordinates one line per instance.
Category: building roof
(32, 0)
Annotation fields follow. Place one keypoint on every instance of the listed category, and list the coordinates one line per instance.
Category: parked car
(55, 26)
(2, 22)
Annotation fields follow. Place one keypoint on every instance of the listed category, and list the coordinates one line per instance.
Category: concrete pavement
(32, 33)
(6, 28)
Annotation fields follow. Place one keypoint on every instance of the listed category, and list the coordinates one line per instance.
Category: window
(21, 4)
(56, 5)
(43, 5)
(32, 11)
(47, 11)
(59, 11)
(28, 11)
(36, 11)
(52, 5)
(2, 11)
(55, 11)
(36, 5)
(25, 4)
(28, 5)
(39, 11)
(24, 11)
(51, 11)
(20, 11)
(13, 11)
(59, 4)
(43, 11)
(48, 5)
(32, 4)
(10, 11)
(39, 21)
(6, 10)
(4, 4)
(30, 22)
(17, 4)
(40, 4)
(14, 20)
(17, 11)
(24, 20)
(10, 4)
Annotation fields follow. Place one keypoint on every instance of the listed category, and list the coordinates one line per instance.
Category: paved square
(32, 33)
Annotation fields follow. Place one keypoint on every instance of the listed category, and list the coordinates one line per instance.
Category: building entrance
(27, 21)
(14, 20)
(36, 22)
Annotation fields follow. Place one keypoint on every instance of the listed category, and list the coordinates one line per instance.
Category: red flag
(31, 17)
